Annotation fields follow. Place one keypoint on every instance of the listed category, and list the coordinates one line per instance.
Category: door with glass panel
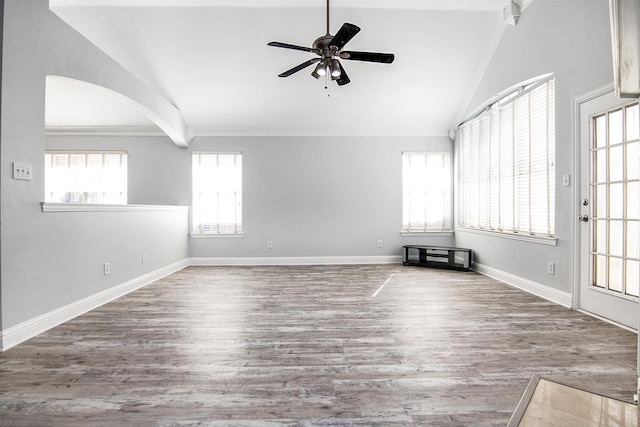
(609, 212)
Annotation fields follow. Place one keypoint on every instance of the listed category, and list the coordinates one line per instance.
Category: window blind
(506, 164)
(217, 193)
(426, 196)
(86, 177)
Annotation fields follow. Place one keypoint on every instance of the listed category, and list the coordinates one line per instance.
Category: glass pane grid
(615, 191)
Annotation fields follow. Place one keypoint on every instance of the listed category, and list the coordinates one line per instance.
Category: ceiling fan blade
(291, 46)
(384, 58)
(344, 34)
(344, 78)
(299, 67)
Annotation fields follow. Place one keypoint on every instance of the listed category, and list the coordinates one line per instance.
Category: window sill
(426, 233)
(94, 207)
(541, 240)
(216, 236)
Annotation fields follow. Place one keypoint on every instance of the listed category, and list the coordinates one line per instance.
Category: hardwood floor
(309, 346)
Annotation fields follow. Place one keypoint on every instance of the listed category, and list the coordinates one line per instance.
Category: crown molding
(321, 131)
(247, 131)
(103, 131)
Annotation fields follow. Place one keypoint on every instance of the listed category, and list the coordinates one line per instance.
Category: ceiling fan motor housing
(323, 45)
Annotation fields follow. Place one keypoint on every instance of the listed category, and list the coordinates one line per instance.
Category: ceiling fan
(329, 51)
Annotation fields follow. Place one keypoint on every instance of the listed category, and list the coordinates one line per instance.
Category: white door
(609, 211)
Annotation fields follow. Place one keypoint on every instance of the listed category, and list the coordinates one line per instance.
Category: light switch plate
(22, 171)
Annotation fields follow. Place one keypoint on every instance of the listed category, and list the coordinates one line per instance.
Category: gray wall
(50, 260)
(319, 196)
(310, 196)
(159, 172)
(571, 39)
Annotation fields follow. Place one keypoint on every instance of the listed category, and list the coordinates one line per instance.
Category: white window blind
(426, 192)
(86, 177)
(217, 193)
(506, 164)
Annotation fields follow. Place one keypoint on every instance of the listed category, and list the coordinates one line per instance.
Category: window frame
(491, 113)
(124, 180)
(447, 200)
(238, 225)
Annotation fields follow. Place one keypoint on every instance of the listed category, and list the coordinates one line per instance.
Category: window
(506, 164)
(426, 192)
(615, 185)
(217, 193)
(86, 177)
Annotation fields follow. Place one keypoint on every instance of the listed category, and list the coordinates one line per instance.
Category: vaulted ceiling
(211, 60)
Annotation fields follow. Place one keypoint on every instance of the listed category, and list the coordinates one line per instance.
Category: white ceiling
(211, 60)
(386, 4)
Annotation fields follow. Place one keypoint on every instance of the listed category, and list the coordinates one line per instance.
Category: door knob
(583, 218)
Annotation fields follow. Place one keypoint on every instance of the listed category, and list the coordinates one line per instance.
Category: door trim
(577, 237)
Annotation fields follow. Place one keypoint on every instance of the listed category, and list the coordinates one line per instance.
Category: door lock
(583, 218)
(585, 202)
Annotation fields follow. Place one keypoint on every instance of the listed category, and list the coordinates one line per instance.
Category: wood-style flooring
(309, 346)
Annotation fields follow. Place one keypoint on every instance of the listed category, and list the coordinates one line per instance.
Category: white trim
(609, 321)
(415, 181)
(216, 236)
(322, 131)
(328, 260)
(426, 233)
(99, 152)
(103, 131)
(543, 240)
(575, 167)
(94, 207)
(26, 330)
(543, 291)
(151, 131)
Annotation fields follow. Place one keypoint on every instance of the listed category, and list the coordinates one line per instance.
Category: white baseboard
(329, 260)
(550, 294)
(29, 329)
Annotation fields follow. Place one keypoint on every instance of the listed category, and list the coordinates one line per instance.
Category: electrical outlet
(379, 243)
(107, 268)
(551, 267)
(144, 257)
(269, 244)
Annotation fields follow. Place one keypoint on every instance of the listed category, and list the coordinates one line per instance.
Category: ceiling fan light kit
(335, 68)
(319, 71)
(329, 50)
